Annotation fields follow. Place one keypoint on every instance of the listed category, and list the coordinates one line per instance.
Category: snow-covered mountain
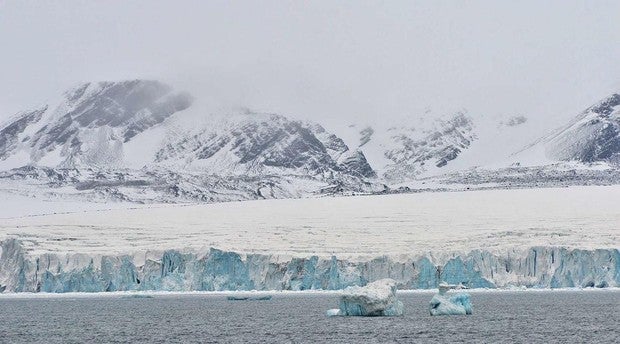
(592, 136)
(142, 140)
(126, 140)
(591, 139)
(408, 150)
(89, 125)
(259, 144)
(107, 125)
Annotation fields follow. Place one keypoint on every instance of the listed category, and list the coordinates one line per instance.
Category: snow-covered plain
(19, 204)
(353, 227)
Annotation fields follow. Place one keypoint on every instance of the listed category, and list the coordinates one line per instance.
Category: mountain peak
(103, 114)
(126, 124)
(607, 106)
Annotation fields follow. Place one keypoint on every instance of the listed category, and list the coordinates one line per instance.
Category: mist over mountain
(333, 63)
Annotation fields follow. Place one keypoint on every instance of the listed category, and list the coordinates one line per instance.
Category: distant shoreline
(277, 293)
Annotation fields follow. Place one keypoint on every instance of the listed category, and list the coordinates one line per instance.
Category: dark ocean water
(499, 317)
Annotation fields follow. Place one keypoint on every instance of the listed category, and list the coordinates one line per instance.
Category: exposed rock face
(514, 121)
(593, 136)
(131, 141)
(9, 134)
(120, 132)
(415, 150)
(257, 144)
(356, 162)
(366, 135)
(92, 122)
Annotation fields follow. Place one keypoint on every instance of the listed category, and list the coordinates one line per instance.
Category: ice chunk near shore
(457, 304)
(375, 299)
(249, 297)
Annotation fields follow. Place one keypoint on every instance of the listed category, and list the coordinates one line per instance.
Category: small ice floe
(333, 312)
(456, 304)
(249, 297)
(137, 296)
(375, 299)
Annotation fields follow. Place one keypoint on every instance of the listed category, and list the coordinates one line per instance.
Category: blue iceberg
(375, 299)
(457, 304)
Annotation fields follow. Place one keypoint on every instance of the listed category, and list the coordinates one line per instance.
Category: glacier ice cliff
(444, 304)
(217, 270)
(377, 298)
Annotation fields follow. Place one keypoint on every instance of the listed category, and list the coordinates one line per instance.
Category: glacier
(219, 270)
(377, 298)
(444, 304)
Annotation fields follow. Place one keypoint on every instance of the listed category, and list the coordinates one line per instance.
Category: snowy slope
(17, 202)
(258, 144)
(141, 141)
(417, 147)
(135, 124)
(592, 137)
(425, 145)
(409, 149)
(89, 125)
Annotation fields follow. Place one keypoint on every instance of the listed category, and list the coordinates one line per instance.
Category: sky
(322, 60)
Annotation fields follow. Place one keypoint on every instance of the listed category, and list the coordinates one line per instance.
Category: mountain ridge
(129, 132)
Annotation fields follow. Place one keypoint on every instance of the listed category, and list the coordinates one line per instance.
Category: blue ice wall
(216, 270)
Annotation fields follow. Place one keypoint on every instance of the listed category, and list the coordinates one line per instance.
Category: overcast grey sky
(322, 59)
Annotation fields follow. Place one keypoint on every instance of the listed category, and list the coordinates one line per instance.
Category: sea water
(499, 317)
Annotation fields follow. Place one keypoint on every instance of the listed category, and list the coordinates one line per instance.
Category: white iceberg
(457, 304)
(333, 312)
(375, 299)
(248, 297)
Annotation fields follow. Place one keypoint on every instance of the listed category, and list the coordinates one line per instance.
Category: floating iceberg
(137, 296)
(249, 298)
(333, 312)
(457, 304)
(375, 299)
